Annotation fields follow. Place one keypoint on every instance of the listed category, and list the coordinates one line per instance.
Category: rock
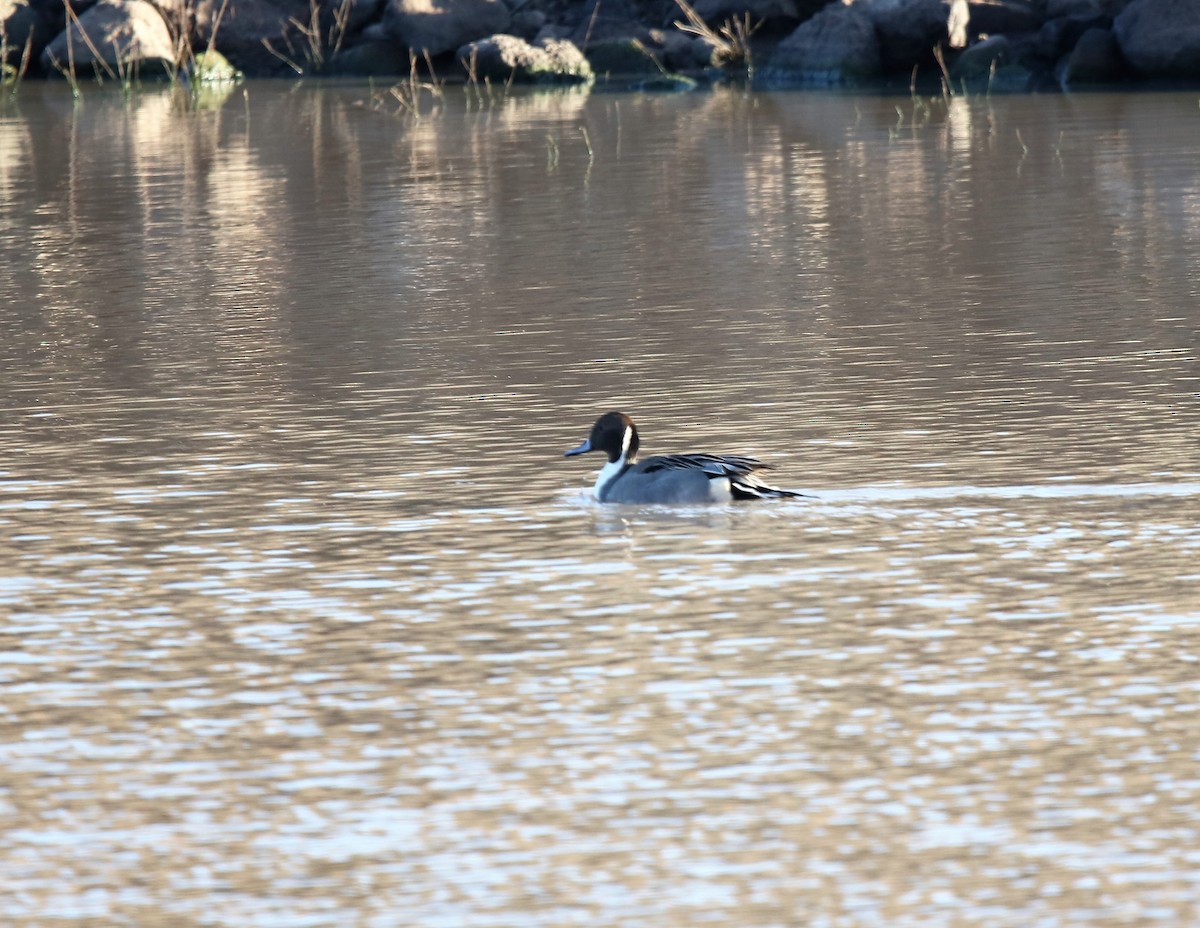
(622, 57)
(608, 19)
(837, 46)
(371, 58)
(990, 17)
(908, 30)
(553, 31)
(1010, 78)
(527, 23)
(212, 68)
(1161, 38)
(774, 15)
(1084, 8)
(353, 15)
(1058, 36)
(684, 52)
(129, 37)
(979, 60)
(21, 23)
(1095, 59)
(505, 57)
(247, 24)
(438, 26)
(176, 13)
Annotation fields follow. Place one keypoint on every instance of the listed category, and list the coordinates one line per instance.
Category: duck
(669, 478)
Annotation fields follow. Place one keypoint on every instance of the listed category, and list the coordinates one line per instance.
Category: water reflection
(307, 622)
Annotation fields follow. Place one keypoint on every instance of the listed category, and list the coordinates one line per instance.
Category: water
(307, 622)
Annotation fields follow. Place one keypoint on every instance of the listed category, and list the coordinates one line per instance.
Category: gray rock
(353, 15)
(908, 30)
(1095, 59)
(21, 23)
(773, 14)
(608, 19)
(212, 68)
(527, 23)
(506, 57)
(437, 26)
(684, 52)
(1161, 38)
(176, 13)
(553, 31)
(837, 46)
(979, 60)
(1058, 36)
(247, 24)
(1004, 16)
(371, 58)
(128, 37)
(1010, 78)
(623, 57)
(995, 65)
(1084, 8)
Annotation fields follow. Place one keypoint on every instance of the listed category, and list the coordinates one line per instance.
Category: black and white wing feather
(718, 465)
(738, 468)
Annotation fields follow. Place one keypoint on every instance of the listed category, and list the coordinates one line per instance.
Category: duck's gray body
(673, 478)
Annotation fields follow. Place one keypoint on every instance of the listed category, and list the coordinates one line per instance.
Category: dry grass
(730, 41)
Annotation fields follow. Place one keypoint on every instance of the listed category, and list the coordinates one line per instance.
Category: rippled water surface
(305, 621)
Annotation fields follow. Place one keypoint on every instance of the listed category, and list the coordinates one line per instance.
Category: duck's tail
(742, 489)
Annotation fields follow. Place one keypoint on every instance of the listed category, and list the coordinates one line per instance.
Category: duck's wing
(714, 465)
(739, 469)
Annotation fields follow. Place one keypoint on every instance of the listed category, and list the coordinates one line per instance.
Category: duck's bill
(582, 449)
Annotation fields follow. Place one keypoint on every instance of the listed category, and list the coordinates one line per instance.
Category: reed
(730, 41)
(408, 95)
(940, 57)
(11, 76)
(317, 43)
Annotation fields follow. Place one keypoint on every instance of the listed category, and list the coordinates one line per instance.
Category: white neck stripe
(608, 473)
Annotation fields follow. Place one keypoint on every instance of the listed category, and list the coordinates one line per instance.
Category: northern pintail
(669, 478)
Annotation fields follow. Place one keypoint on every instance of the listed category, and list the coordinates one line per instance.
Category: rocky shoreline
(997, 45)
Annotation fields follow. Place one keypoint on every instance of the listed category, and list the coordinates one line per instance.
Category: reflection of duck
(670, 478)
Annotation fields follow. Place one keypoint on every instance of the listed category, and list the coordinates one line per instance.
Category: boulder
(623, 57)
(437, 27)
(527, 23)
(1058, 36)
(981, 60)
(990, 17)
(176, 13)
(371, 58)
(682, 51)
(1095, 59)
(21, 23)
(353, 15)
(603, 20)
(244, 27)
(212, 68)
(503, 58)
(773, 15)
(908, 30)
(1084, 8)
(115, 37)
(1161, 38)
(837, 46)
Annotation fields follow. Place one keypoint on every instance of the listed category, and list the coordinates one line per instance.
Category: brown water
(306, 622)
